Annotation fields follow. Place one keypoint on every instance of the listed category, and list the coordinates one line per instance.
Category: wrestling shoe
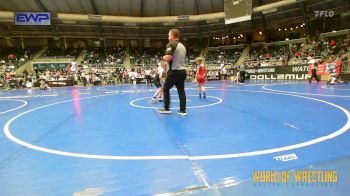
(154, 100)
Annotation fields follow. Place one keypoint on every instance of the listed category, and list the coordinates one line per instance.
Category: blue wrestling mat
(110, 140)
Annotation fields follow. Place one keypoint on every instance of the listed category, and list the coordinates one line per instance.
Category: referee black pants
(314, 75)
(177, 78)
(241, 76)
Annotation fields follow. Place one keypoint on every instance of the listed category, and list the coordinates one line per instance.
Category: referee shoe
(182, 113)
(164, 111)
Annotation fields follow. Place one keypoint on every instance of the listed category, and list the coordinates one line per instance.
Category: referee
(175, 55)
(241, 73)
(314, 64)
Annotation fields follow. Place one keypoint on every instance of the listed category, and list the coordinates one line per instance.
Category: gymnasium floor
(110, 140)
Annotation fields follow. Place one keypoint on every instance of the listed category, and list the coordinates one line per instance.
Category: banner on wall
(49, 66)
(297, 72)
(32, 18)
(322, 68)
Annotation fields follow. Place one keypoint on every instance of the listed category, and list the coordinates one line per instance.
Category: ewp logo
(33, 18)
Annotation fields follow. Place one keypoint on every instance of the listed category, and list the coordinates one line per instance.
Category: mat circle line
(340, 131)
(132, 103)
(16, 108)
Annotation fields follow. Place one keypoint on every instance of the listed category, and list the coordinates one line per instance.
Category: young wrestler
(201, 77)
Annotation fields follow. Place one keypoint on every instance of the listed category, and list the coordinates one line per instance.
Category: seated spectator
(43, 85)
(29, 84)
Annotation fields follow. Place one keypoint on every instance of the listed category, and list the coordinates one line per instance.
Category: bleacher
(105, 66)
(100, 57)
(74, 52)
(13, 58)
(146, 58)
(273, 54)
